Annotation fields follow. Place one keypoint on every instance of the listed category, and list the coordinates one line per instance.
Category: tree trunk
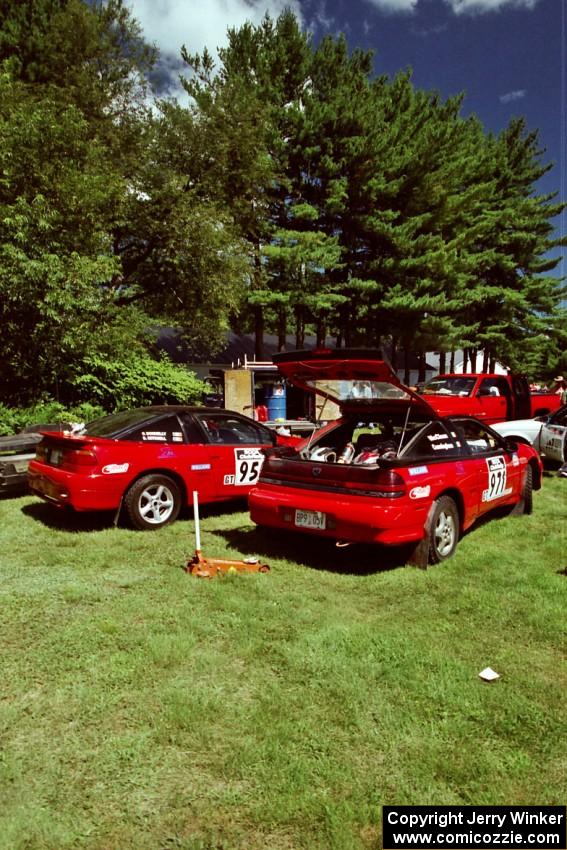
(346, 328)
(282, 329)
(486, 362)
(421, 373)
(406, 364)
(452, 362)
(299, 327)
(321, 331)
(258, 310)
(394, 355)
(442, 362)
(259, 332)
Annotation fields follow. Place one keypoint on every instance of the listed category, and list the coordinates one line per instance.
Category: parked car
(489, 397)
(16, 452)
(547, 434)
(390, 470)
(150, 459)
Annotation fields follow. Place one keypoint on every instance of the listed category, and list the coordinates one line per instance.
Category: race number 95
(248, 464)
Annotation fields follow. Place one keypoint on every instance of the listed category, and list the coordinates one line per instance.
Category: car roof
(181, 408)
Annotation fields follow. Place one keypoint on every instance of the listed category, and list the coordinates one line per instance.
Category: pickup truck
(491, 398)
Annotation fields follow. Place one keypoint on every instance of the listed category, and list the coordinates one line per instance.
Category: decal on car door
(496, 468)
(247, 466)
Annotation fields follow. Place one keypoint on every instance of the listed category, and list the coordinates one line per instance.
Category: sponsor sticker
(228, 480)
(420, 492)
(115, 468)
(195, 467)
(154, 436)
(418, 470)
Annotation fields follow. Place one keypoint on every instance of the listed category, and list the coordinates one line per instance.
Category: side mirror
(510, 444)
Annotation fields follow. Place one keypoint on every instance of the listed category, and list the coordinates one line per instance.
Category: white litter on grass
(489, 675)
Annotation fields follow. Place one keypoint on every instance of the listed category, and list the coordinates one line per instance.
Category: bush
(141, 380)
(44, 412)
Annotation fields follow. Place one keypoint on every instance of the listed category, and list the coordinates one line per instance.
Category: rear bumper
(356, 519)
(81, 492)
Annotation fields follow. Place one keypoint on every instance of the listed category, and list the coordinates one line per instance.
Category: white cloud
(395, 5)
(510, 96)
(459, 7)
(472, 7)
(172, 23)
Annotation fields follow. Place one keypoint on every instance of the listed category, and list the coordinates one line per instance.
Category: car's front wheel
(152, 501)
(444, 530)
(525, 504)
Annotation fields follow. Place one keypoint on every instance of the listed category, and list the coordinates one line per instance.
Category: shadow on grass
(63, 519)
(318, 554)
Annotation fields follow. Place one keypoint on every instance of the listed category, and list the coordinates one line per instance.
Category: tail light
(385, 484)
(78, 458)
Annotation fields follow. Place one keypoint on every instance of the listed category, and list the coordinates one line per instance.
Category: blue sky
(508, 57)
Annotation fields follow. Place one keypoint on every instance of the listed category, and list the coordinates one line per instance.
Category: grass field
(142, 709)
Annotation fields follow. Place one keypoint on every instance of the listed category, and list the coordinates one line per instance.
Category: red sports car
(149, 460)
(390, 470)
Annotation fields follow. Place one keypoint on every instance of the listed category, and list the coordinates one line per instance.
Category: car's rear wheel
(444, 530)
(152, 501)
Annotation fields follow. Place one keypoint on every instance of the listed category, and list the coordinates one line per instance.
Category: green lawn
(142, 708)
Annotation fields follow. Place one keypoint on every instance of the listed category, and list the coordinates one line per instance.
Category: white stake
(196, 515)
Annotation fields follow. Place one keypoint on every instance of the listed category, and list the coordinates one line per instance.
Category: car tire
(526, 503)
(443, 530)
(152, 502)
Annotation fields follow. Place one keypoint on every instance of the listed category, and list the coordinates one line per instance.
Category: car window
(114, 423)
(559, 418)
(229, 430)
(434, 441)
(193, 433)
(490, 386)
(477, 437)
(455, 385)
(165, 430)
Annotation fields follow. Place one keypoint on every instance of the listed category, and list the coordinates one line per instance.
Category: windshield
(450, 386)
(343, 390)
(108, 426)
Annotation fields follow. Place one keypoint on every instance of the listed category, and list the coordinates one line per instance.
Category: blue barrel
(276, 401)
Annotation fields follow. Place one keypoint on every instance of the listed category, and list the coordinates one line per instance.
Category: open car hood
(355, 379)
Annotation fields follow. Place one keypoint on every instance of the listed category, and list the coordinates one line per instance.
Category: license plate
(310, 519)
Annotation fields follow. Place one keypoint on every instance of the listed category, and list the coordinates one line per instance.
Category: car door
(234, 452)
(498, 471)
(492, 400)
(554, 435)
(175, 442)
